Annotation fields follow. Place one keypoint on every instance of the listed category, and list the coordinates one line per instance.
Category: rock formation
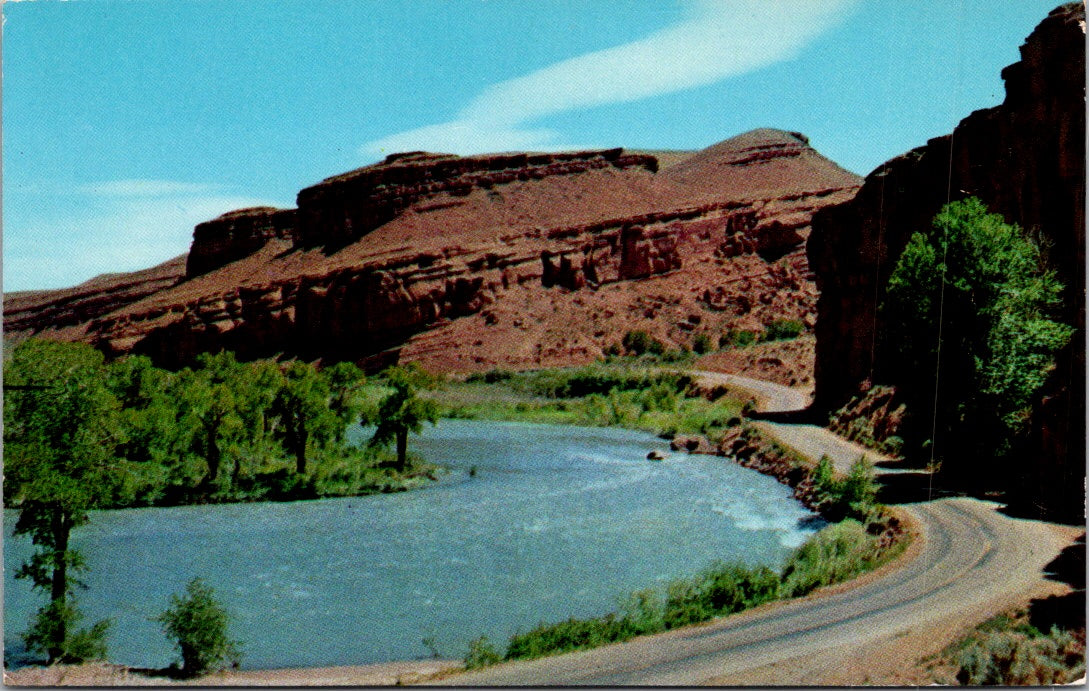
(1026, 160)
(51, 312)
(235, 235)
(513, 260)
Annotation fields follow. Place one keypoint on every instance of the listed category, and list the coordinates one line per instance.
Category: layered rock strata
(519, 260)
(235, 235)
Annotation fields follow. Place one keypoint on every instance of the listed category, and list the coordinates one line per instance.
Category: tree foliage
(403, 411)
(61, 432)
(969, 311)
(198, 624)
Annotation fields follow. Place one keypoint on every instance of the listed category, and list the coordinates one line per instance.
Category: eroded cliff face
(66, 312)
(1026, 160)
(514, 260)
(235, 235)
(344, 208)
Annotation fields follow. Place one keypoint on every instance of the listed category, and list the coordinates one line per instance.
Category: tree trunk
(61, 528)
(300, 450)
(213, 454)
(402, 448)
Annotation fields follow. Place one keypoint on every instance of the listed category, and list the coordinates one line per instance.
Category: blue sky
(126, 122)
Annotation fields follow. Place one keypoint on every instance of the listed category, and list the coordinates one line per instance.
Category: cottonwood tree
(969, 308)
(346, 382)
(302, 405)
(61, 432)
(403, 411)
(208, 410)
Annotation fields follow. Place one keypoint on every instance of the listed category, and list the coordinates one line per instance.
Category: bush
(490, 377)
(198, 625)
(736, 339)
(852, 497)
(640, 342)
(835, 554)
(783, 329)
(1014, 658)
(720, 590)
(481, 654)
(57, 622)
(702, 343)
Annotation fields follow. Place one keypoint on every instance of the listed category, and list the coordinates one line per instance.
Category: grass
(624, 394)
(835, 554)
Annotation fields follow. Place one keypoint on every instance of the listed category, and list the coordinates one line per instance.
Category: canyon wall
(1026, 160)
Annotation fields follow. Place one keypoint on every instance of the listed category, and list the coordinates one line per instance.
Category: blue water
(557, 522)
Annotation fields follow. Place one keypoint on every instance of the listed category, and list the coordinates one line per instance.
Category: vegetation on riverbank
(221, 431)
(81, 434)
(624, 393)
(838, 553)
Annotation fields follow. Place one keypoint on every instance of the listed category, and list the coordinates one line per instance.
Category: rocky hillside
(50, 311)
(467, 263)
(1026, 160)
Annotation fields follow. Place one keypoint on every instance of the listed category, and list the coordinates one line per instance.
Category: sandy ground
(100, 674)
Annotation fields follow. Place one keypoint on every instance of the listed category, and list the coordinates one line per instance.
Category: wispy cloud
(147, 188)
(111, 226)
(713, 41)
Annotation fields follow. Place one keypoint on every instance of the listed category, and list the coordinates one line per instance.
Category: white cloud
(121, 225)
(146, 188)
(715, 40)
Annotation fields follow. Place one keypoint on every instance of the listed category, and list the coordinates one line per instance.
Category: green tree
(209, 410)
(403, 411)
(198, 624)
(153, 444)
(61, 431)
(969, 311)
(302, 405)
(346, 386)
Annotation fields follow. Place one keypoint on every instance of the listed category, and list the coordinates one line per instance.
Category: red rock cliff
(513, 260)
(1026, 160)
(235, 235)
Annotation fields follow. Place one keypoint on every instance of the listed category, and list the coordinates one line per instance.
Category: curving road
(968, 561)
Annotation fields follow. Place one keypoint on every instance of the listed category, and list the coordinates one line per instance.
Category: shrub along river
(555, 522)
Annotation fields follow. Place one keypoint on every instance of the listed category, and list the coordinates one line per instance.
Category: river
(556, 522)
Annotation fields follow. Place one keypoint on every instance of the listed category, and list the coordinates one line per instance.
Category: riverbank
(104, 674)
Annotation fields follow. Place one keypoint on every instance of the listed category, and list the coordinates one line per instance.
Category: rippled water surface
(557, 522)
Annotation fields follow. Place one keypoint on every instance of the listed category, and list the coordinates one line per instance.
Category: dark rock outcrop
(235, 235)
